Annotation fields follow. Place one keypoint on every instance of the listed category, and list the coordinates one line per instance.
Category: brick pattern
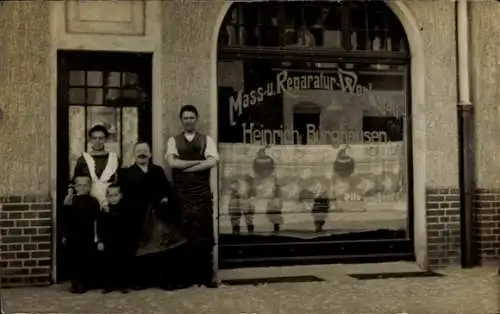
(487, 222)
(443, 226)
(443, 219)
(25, 241)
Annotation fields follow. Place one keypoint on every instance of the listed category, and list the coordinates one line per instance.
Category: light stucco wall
(437, 24)
(187, 43)
(24, 98)
(485, 65)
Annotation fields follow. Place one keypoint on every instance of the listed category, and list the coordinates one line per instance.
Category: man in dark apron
(192, 155)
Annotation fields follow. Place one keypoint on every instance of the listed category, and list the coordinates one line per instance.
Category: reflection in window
(273, 102)
(348, 25)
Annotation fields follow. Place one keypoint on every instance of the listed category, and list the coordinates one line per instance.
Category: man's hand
(100, 246)
(68, 200)
(105, 208)
(164, 201)
(64, 241)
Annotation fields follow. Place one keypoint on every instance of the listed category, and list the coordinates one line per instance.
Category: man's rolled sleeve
(211, 149)
(171, 148)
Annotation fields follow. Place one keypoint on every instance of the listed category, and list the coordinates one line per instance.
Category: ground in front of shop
(458, 291)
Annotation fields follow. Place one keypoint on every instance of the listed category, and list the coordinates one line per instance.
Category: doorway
(109, 88)
(303, 119)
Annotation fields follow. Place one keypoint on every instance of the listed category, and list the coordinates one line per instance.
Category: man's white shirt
(210, 148)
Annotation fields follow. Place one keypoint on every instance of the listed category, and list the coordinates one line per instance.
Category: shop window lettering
(337, 138)
(254, 135)
(345, 81)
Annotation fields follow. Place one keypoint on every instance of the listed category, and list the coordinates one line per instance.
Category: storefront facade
(310, 125)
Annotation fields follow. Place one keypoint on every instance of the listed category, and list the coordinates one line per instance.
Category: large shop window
(309, 145)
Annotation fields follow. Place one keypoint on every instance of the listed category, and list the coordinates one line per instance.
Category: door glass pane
(114, 79)
(112, 94)
(311, 149)
(94, 78)
(76, 135)
(129, 79)
(77, 78)
(130, 134)
(110, 118)
(94, 96)
(77, 96)
(130, 93)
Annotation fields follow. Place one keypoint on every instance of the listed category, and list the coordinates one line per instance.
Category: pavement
(468, 291)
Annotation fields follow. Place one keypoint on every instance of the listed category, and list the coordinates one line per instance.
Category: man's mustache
(142, 156)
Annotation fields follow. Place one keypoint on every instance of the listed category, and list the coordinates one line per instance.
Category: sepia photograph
(270, 157)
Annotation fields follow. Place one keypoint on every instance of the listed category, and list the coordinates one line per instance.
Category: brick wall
(443, 219)
(487, 221)
(26, 240)
(443, 226)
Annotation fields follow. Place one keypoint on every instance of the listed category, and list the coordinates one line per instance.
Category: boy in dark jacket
(115, 241)
(79, 215)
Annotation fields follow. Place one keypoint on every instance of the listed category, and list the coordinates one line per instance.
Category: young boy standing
(80, 214)
(115, 241)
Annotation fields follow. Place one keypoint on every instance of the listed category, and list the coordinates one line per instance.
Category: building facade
(314, 152)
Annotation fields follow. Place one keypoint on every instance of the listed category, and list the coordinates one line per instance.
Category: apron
(100, 185)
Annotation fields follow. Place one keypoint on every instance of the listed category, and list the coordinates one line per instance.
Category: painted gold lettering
(278, 136)
(269, 90)
(348, 80)
(311, 134)
(317, 82)
(260, 94)
(310, 80)
(360, 90)
(253, 97)
(246, 101)
(296, 83)
(235, 107)
(268, 136)
(303, 82)
(331, 83)
(247, 132)
(256, 136)
(367, 138)
(352, 138)
(281, 79)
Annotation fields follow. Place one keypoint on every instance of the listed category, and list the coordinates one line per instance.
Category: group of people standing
(108, 206)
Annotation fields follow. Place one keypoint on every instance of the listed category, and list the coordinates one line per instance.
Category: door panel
(113, 89)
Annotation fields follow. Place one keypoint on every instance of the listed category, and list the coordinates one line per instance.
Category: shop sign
(286, 83)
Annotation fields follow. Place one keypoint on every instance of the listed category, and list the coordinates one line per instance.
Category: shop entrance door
(113, 89)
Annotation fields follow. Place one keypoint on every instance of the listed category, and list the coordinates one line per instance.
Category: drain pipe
(465, 111)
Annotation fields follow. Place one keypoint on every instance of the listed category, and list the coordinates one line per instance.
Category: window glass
(309, 148)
